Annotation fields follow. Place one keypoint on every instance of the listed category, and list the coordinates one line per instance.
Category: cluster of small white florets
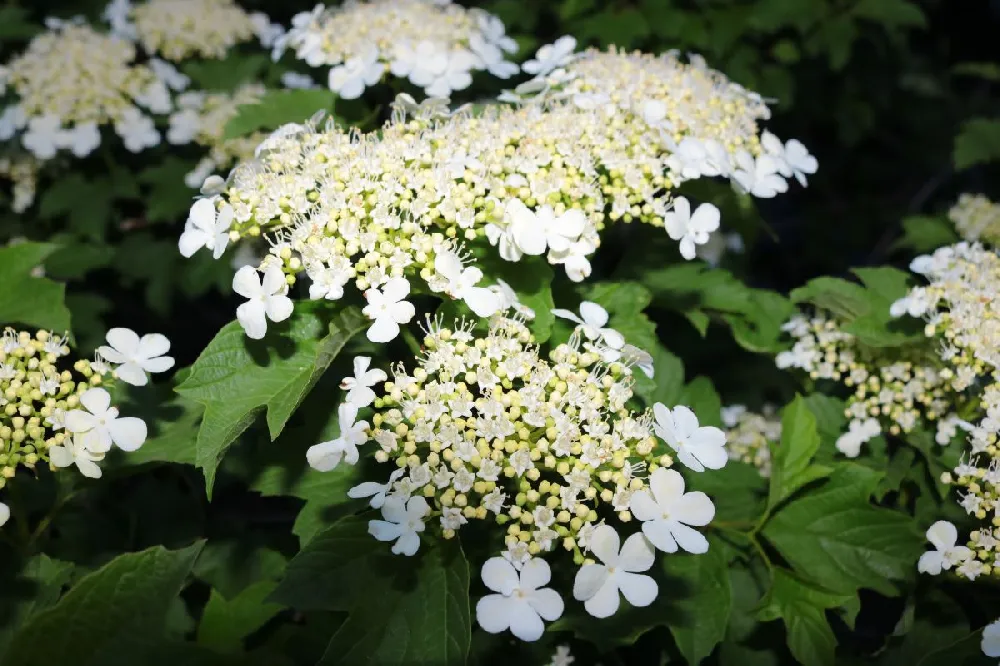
(181, 29)
(201, 119)
(488, 428)
(706, 123)
(71, 81)
(976, 218)
(894, 390)
(22, 172)
(434, 44)
(59, 413)
(749, 435)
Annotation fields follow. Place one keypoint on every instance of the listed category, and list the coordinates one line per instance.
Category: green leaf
(411, 612)
(16, 23)
(85, 203)
(706, 608)
(667, 384)
(531, 278)
(235, 377)
(27, 300)
(832, 534)
(225, 623)
(841, 298)
(277, 108)
(792, 465)
(173, 437)
(802, 606)
(625, 302)
(124, 601)
(922, 233)
(700, 395)
(978, 142)
(231, 566)
(988, 71)
(75, 260)
(891, 13)
(36, 588)
(169, 198)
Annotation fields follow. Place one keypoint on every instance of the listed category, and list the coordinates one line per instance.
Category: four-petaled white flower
(74, 452)
(350, 79)
(462, 284)
(205, 228)
(358, 387)
(598, 585)
(990, 643)
(697, 447)
(376, 491)
(551, 56)
(534, 231)
(793, 157)
(325, 456)
(592, 322)
(136, 356)
(98, 425)
(267, 299)
(691, 230)
(136, 130)
(946, 554)
(666, 511)
(759, 177)
(403, 523)
(522, 600)
(388, 308)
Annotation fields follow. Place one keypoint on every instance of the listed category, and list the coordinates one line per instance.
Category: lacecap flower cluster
(749, 435)
(540, 178)
(545, 446)
(71, 81)
(57, 412)
(435, 45)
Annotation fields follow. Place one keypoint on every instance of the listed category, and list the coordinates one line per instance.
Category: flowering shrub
(597, 395)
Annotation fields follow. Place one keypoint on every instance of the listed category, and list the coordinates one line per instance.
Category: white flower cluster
(976, 218)
(707, 124)
(201, 118)
(71, 81)
(894, 389)
(487, 428)
(22, 172)
(181, 29)
(749, 434)
(434, 44)
(62, 415)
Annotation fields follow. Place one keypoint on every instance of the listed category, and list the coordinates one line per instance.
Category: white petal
(366, 489)
(930, 562)
(273, 281)
(499, 575)
(159, 364)
(689, 539)
(278, 308)
(547, 603)
(660, 534)
(125, 341)
(128, 432)
(667, 486)
(396, 289)
(96, 400)
(525, 623)
(589, 579)
(605, 602)
(246, 282)
(252, 319)
(593, 314)
(383, 330)
(942, 534)
(693, 509)
(111, 354)
(88, 468)
(78, 420)
(493, 612)
(643, 506)
(60, 456)
(482, 301)
(685, 421)
(638, 590)
(535, 574)
(324, 456)
(384, 531)
(152, 345)
(131, 373)
(407, 544)
(605, 543)
(637, 554)
(394, 510)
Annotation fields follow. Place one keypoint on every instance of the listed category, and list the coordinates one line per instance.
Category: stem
(411, 341)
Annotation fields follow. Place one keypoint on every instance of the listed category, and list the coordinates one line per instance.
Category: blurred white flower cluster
(488, 428)
(180, 29)
(22, 172)
(435, 45)
(71, 81)
(201, 118)
(749, 435)
(976, 218)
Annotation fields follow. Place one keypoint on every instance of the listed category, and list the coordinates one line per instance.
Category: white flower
(403, 523)
(491, 57)
(551, 56)
(462, 281)
(136, 355)
(43, 136)
(990, 644)
(534, 231)
(562, 657)
(11, 120)
(74, 452)
(388, 309)
(81, 140)
(598, 585)
(759, 177)
(508, 300)
(698, 448)
(691, 230)
(946, 554)
(136, 130)
(267, 299)
(521, 602)
(98, 425)
(4, 514)
(444, 72)
(358, 72)
(376, 491)
(666, 511)
(858, 432)
(357, 387)
(592, 323)
(169, 74)
(184, 126)
(793, 157)
(297, 81)
(325, 456)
